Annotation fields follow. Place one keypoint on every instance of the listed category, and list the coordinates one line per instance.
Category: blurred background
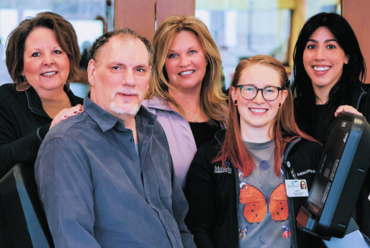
(241, 28)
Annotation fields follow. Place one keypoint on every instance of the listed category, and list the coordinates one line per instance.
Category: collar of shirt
(35, 105)
(106, 121)
(157, 103)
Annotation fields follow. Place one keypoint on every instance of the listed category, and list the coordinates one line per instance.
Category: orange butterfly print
(256, 204)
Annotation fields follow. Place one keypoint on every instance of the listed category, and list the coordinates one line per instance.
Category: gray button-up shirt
(98, 191)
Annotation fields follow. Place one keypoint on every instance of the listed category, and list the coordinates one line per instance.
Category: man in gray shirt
(106, 177)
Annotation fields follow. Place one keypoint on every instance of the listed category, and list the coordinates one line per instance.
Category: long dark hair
(354, 73)
(284, 129)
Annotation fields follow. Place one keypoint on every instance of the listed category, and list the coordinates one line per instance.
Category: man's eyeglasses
(269, 93)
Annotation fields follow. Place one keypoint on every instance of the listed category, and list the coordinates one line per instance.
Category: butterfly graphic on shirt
(286, 231)
(257, 204)
(243, 232)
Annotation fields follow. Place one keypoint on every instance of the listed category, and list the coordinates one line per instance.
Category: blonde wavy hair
(212, 99)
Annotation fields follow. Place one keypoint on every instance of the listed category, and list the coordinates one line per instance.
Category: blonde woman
(185, 88)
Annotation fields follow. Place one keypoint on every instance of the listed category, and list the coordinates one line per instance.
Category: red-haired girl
(236, 183)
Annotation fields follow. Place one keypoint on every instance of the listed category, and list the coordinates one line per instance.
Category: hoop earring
(235, 102)
(23, 86)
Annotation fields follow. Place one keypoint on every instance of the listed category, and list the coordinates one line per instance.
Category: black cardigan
(23, 125)
(213, 197)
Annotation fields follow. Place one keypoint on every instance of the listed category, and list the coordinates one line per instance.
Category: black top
(23, 125)
(319, 131)
(359, 99)
(203, 132)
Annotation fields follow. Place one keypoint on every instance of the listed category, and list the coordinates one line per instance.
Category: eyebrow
(193, 47)
(115, 63)
(41, 48)
(142, 65)
(189, 48)
(121, 64)
(251, 84)
(329, 40)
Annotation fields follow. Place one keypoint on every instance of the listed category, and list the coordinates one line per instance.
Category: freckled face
(186, 61)
(258, 113)
(120, 76)
(46, 65)
(323, 59)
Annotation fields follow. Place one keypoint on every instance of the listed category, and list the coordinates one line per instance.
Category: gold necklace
(195, 116)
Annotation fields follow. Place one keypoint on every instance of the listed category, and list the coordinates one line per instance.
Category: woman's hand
(348, 109)
(66, 113)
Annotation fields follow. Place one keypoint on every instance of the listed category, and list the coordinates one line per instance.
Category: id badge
(296, 188)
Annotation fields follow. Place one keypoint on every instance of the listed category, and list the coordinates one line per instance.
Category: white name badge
(296, 188)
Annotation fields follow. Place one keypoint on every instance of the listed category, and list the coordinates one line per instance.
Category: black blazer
(23, 125)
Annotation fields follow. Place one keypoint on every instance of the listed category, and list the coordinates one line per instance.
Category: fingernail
(75, 112)
(65, 117)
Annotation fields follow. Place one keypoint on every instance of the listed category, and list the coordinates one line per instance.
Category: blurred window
(244, 28)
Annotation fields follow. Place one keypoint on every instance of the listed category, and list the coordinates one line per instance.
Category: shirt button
(132, 140)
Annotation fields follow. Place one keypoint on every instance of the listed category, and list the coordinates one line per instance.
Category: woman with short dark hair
(42, 56)
(330, 72)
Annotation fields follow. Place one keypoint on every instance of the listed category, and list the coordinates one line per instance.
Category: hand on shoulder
(66, 113)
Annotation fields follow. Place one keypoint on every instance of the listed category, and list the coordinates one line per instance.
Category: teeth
(321, 68)
(258, 110)
(49, 73)
(186, 72)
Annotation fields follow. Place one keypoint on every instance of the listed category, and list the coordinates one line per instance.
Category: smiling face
(120, 76)
(46, 65)
(186, 62)
(258, 114)
(323, 60)
(303, 185)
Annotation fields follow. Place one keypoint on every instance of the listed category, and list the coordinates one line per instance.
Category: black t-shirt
(203, 131)
(320, 130)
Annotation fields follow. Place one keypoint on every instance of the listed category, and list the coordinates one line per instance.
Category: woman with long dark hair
(236, 183)
(329, 72)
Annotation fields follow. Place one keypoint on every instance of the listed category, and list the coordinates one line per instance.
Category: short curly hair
(64, 34)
